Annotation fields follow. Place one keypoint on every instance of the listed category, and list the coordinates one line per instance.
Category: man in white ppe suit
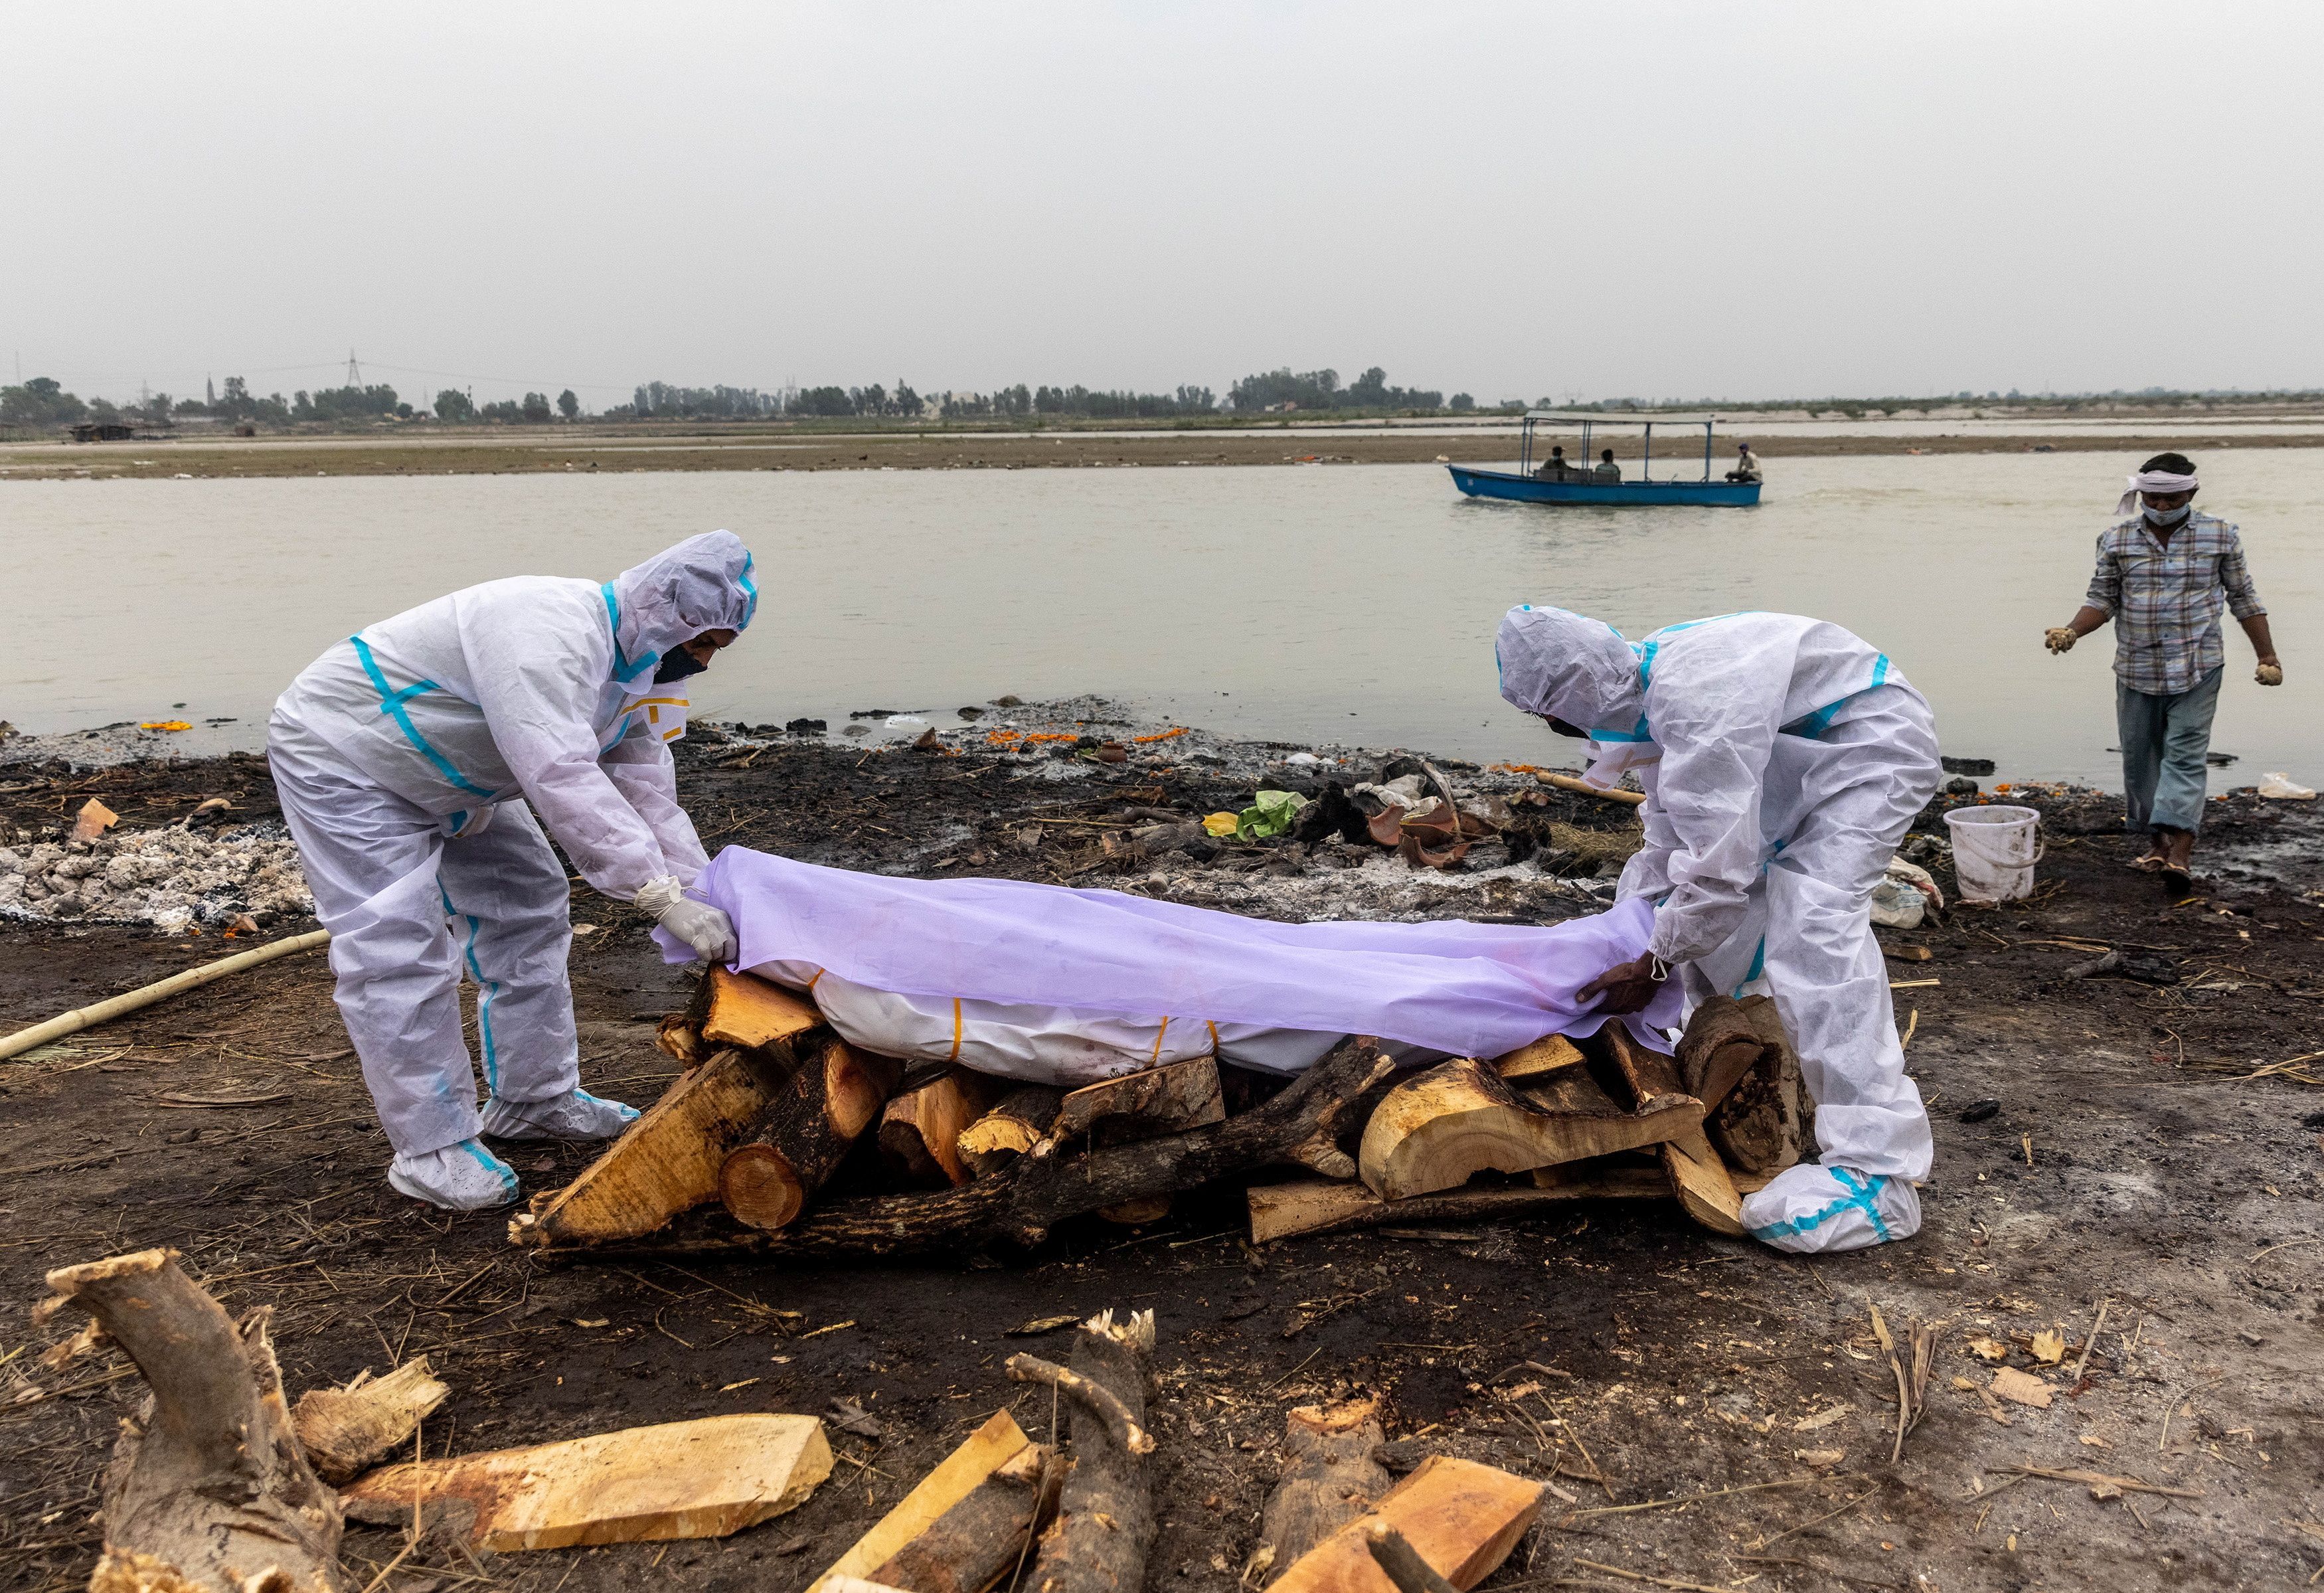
(417, 762)
(1783, 759)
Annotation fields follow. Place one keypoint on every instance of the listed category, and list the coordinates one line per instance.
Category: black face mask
(678, 664)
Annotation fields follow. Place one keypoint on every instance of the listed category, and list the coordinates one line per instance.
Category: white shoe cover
(1812, 1208)
(573, 1115)
(462, 1177)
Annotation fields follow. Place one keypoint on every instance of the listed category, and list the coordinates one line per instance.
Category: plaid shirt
(2165, 598)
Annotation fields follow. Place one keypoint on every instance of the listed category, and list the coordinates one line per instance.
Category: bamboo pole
(73, 1022)
(1566, 782)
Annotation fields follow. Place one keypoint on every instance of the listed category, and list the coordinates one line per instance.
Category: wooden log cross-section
(209, 1491)
(1016, 1122)
(920, 1130)
(821, 1110)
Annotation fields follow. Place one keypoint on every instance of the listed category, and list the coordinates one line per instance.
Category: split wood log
(822, 1111)
(1459, 1517)
(1698, 1177)
(1544, 1055)
(208, 1490)
(985, 1535)
(1460, 1117)
(955, 1478)
(1105, 1515)
(1719, 1047)
(1284, 1211)
(703, 1479)
(348, 1431)
(1045, 1186)
(920, 1130)
(1641, 1076)
(676, 1037)
(665, 1163)
(1767, 1121)
(742, 1010)
(1154, 1100)
(1328, 1478)
(1016, 1123)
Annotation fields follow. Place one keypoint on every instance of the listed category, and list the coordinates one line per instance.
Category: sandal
(2149, 863)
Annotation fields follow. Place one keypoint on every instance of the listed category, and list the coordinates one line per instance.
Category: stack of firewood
(773, 1103)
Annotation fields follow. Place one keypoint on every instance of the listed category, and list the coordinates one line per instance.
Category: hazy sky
(1610, 199)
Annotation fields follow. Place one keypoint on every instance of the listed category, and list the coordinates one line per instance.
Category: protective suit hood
(1575, 667)
(703, 584)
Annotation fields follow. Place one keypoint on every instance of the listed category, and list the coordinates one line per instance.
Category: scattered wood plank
(1284, 1211)
(1459, 1517)
(920, 1129)
(2022, 1388)
(209, 1490)
(742, 1010)
(1433, 1131)
(1162, 1099)
(1105, 1521)
(954, 1478)
(976, 1541)
(348, 1431)
(665, 1163)
(1330, 1476)
(823, 1109)
(1016, 1122)
(701, 1478)
(1544, 1055)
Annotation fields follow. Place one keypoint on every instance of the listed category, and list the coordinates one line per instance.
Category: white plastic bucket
(1994, 848)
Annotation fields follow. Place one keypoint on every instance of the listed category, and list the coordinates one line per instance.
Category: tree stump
(208, 1488)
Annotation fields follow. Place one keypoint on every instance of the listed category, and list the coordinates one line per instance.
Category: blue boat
(1581, 484)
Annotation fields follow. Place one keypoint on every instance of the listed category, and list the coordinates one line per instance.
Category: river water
(1350, 603)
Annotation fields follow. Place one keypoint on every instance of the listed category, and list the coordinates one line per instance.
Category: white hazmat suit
(1783, 759)
(411, 761)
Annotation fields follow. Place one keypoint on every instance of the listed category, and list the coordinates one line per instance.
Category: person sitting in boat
(1747, 465)
(1607, 469)
(1554, 467)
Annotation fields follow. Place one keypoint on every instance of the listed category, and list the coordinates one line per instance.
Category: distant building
(103, 431)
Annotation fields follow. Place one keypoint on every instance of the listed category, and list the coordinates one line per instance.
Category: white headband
(2153, 481)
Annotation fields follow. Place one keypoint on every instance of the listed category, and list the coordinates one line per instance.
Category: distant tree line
(42, 402)
(1321, 390)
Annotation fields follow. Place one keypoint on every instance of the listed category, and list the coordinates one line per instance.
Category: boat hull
(1480, 482)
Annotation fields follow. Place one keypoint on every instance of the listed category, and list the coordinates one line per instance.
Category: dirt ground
(1713, 1414)
(760, 448)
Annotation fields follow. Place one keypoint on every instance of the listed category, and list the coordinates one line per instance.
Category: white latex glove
(704, 927)
(700, 925)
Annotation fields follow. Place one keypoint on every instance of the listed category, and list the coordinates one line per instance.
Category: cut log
(1459, 1517)
(1014, 1125)
(1544, 1055)
(676, 1037)
(345, 1431)
(1045, 1186)
(1641, 1076)
(986, 1534)
(806, 1133)
(701, 1478)
(1460, 1117)
(1702, 1182)
(209, 1489)
(744, 1010)
(1105, 1516)
(1766, 1122)
(665, 1163)
(955, 1478)
(920, 1130)
(1328, 1478)
(1284, 1211)
(1156, 1101)
(1719, 1047)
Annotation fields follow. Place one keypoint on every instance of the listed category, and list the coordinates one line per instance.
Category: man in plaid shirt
(2162, 576)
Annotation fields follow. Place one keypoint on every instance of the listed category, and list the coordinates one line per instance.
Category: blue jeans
(2164, 739)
